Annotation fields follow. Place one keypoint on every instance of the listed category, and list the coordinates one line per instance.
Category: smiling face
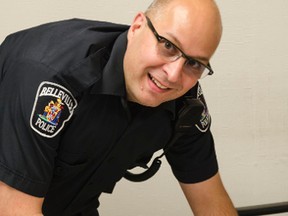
(192, 25)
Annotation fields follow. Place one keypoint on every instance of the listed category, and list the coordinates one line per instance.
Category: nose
(174, 70)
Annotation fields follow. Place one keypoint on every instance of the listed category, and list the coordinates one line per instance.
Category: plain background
(247, 98)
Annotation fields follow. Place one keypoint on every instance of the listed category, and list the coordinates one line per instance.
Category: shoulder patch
(205, 119)
(53, 107)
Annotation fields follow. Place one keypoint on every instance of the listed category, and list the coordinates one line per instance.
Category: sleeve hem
(192, 177)
(22, 183)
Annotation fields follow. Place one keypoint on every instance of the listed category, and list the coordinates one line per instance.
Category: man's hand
(14, 202)
(209, 198)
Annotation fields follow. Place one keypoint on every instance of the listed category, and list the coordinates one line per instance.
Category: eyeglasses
(170, 52)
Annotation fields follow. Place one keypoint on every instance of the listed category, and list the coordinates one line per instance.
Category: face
(191, 26)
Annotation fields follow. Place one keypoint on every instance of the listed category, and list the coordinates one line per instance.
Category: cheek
(188, 83)
(147, 54)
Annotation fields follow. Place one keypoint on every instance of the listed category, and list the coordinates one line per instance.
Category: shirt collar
(112, 81)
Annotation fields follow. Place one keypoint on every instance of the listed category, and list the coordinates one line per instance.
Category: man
(83, 101)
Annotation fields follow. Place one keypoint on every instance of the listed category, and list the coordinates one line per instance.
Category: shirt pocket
(64, 170)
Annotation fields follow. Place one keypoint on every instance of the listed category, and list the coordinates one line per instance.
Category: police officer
(83, 101)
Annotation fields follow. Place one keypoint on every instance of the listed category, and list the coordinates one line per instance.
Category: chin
(147, 102)
(146, 99)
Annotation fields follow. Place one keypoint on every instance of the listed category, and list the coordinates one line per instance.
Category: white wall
(247, 97)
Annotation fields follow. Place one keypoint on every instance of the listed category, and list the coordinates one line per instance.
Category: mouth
(157, 83)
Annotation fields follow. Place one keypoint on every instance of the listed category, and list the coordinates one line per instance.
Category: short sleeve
(193, 158)
(26, 157)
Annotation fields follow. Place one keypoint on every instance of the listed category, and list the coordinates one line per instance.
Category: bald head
(201, 16)
(157, 7)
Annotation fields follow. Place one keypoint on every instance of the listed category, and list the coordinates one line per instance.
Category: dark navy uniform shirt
(67, 132)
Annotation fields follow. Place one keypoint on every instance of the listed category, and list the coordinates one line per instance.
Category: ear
(137, 24)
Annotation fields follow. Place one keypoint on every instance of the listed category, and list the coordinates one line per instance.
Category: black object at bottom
(266, 209)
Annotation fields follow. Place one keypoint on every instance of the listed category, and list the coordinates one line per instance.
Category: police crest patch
(53, 107)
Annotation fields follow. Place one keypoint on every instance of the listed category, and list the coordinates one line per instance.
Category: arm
(14, 202)
(209, 198)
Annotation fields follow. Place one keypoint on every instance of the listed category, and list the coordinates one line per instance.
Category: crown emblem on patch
(52, 112)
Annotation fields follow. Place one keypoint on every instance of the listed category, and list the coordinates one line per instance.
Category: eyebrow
(199, 58)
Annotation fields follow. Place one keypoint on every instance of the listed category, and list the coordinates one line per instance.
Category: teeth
(158, 84)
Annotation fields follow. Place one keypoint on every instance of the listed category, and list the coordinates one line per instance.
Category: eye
(194, 67)
(167, 47)
(194, 64)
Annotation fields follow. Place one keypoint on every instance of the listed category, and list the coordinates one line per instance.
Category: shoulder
(69, 26)
(63, 42)
(60, 46)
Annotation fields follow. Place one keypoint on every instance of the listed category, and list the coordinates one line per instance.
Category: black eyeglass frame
(188, 58)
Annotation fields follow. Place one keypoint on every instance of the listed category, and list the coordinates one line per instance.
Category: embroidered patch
(205, 120)
(53, 107)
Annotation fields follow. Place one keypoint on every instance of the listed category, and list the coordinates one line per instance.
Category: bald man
(125, 92)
